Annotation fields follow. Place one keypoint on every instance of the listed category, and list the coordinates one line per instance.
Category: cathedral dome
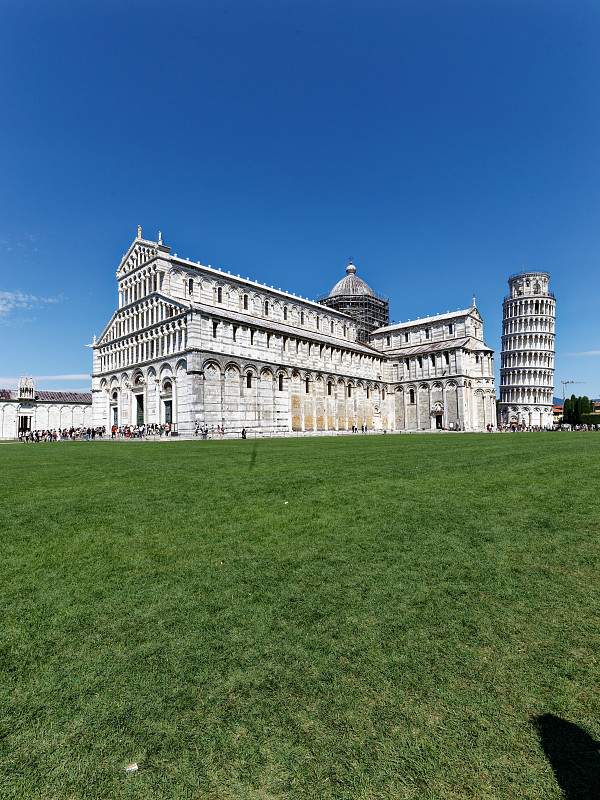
(351, 284)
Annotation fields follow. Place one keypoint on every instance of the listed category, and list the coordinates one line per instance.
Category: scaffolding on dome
(367, 310)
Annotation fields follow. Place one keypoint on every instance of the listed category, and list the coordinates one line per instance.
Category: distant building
(528, 346)
(557, 413)
(27, 409)
(352, 296)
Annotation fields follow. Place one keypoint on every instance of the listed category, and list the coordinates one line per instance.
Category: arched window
(115, 395)
(248, 380)
(368, 393)
(388, 341)
(318, 323)
(285, 312)
(266, 308)
(345, 330)
(329, 388)
(427, 333)
(349, 391)
(191, 287)
(219, 294)
(280, 379)
(245, 302)
(383, 394)
(411, 396)
(331, 326)
(450, 329)
(302, 318)
(307, 385)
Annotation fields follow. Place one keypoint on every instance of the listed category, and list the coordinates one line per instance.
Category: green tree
(568, 410)
(575, 408)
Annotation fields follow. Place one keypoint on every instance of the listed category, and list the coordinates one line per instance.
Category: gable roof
(465, 312)
(64, 397)
(50, 397)
(182, 305)
(466, 343)
(146, 249)
(263, 287)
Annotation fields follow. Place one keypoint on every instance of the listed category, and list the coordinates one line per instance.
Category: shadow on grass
(573, 755)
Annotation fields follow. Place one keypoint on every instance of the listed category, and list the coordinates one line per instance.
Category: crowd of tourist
(89, 434)
(538, 428)
(141, 431)
(204, 432)
(62, 435)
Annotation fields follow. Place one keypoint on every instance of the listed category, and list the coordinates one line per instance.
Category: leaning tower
(527, 360)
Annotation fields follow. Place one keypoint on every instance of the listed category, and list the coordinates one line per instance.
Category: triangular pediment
(106, 336)
(140, 252)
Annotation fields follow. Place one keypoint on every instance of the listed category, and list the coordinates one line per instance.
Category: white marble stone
(195, 345)
(528, 346)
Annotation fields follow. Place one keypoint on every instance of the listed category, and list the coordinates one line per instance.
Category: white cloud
(15, 301)
(23, 247)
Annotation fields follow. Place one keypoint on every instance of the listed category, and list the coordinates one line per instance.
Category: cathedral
(190, 345)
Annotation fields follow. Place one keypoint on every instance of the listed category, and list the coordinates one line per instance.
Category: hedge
(590, 419)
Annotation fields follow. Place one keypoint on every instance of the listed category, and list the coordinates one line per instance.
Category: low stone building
(192, 345)
(27, 409)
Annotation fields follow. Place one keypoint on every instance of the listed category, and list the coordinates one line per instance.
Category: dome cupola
(351, 284)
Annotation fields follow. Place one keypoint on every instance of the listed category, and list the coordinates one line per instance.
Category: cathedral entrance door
(439, 420)
(24, 423)
(168, 411)
(139, 409)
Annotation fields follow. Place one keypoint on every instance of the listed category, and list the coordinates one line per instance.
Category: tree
(575, 408)
(568, 410)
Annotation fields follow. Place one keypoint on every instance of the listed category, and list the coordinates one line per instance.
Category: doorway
(439, 420)
(24, 424)
(139, 409)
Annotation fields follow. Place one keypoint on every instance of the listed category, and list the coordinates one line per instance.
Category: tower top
(529, 282)
(26, 388)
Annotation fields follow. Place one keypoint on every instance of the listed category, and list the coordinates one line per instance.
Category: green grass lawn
(359, 617)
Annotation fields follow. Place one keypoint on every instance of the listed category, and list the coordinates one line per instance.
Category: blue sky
(441, 145)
